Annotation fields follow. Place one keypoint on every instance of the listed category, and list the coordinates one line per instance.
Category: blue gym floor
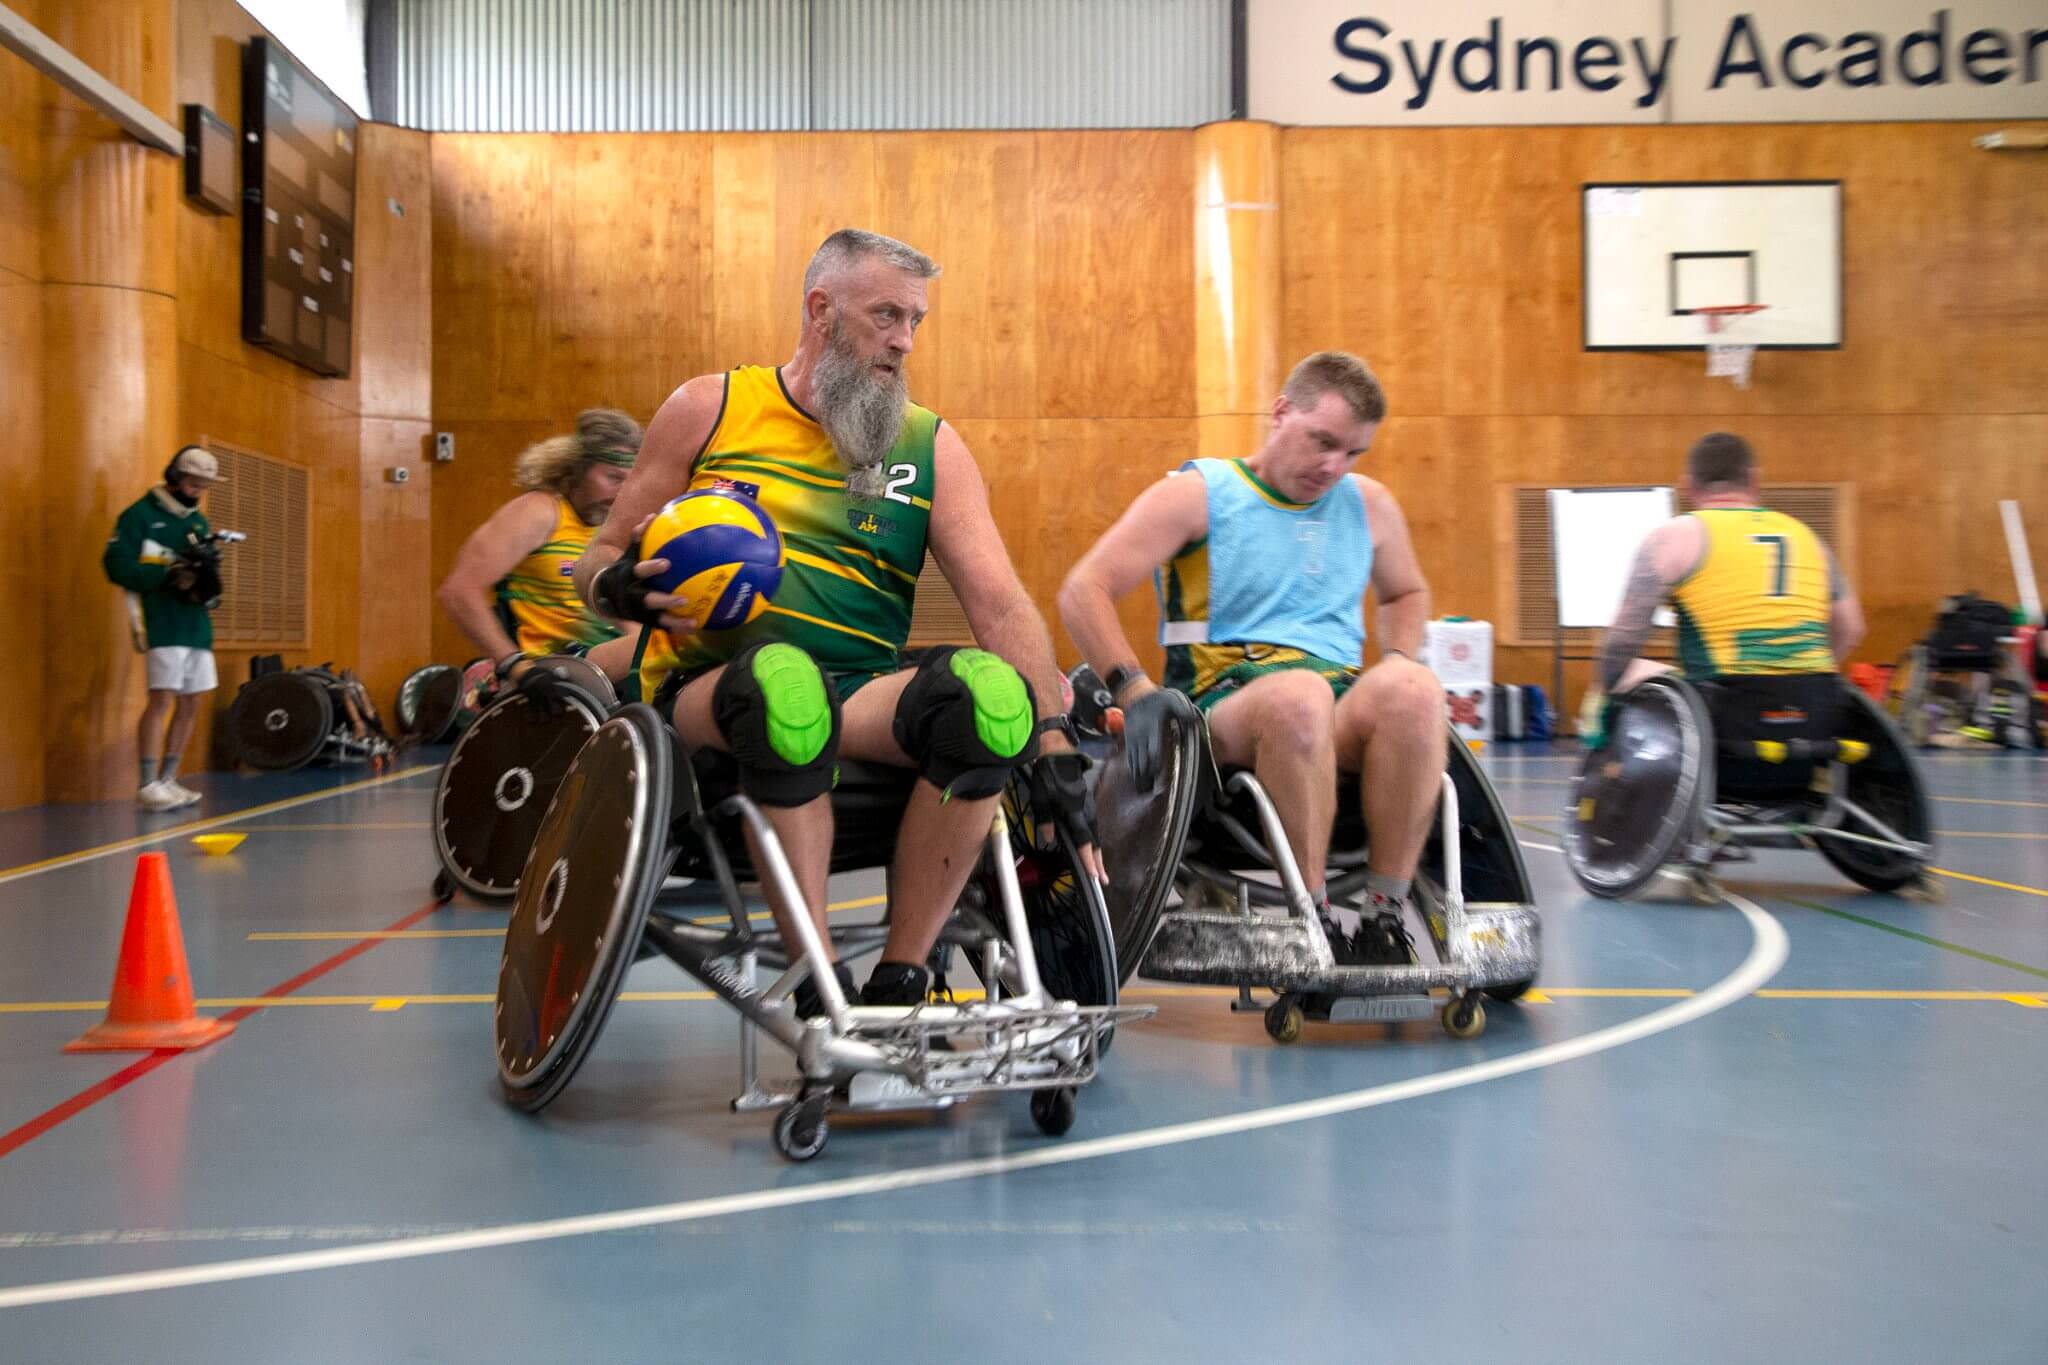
(1806, 1126)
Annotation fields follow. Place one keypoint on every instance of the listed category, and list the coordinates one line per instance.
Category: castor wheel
(1465, 1017)
(1704, 889)
(801, 1127)
(444, 887)
(1513, 990)
(1283, 1019)
(1053, 1110)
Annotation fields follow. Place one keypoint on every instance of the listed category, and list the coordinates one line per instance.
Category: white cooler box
(1460, 653)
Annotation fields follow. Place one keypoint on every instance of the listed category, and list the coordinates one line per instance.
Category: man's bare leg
(939, 841)
(1393, 719)
(805, 831)
(184, 715)
(1283, 727)
(149, 731)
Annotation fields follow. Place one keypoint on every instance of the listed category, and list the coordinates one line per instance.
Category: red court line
(142, 1066)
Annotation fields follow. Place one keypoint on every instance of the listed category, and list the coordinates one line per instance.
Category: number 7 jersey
(1759, 599)
(852, 563)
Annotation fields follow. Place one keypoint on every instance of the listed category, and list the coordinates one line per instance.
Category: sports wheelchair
(285, 718)
(1695, 776)
(635, 808)
(503, 771)
(1189, 862)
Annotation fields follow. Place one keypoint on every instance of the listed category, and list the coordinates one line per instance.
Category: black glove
(1060, 793)
(1145, 722)
(204, 585)
(621, 596)
(545, 690)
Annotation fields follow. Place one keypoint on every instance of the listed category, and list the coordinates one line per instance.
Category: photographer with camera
(167, 557)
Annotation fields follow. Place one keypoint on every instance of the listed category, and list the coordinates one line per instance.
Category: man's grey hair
(849, 246)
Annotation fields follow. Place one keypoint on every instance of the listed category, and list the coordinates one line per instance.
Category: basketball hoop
(1728, 359)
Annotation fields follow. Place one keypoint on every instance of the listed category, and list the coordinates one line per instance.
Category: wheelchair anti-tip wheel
(1054, 1110)
(1464, 1017)
(1284, 1020)
(802, 1128)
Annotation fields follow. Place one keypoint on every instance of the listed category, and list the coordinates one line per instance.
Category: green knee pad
(782, 723)
(967, 719)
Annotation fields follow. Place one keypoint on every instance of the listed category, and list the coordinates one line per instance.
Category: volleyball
(724, 556)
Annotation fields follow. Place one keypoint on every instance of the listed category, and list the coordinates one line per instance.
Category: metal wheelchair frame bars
(1280, 854)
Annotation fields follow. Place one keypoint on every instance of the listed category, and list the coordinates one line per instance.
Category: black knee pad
(781, 720)
(967, 719)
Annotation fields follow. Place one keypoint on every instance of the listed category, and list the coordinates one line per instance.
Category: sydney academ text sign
(1619, 61)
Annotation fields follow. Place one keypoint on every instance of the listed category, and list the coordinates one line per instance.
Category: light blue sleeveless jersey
(1271, 572)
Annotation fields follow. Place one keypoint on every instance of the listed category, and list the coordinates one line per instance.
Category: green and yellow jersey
(539, 597)
(852, 563)
(1759, 599)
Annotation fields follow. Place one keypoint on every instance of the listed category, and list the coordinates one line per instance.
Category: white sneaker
(158, 796)
(186, 796)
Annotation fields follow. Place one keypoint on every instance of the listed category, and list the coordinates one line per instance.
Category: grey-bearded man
(860, 483)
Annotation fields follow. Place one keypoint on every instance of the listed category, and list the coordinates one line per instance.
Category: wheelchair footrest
(939, 1051)
(1231, 950)
(1363, 1009)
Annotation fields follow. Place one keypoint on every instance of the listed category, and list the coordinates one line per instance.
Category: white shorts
(180, 668)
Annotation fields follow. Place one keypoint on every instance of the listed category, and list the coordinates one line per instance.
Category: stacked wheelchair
(1194, 859)
(1691, 778)
(284, 719)
(634, 809)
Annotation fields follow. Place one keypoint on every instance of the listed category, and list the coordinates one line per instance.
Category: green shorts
(1229, 668)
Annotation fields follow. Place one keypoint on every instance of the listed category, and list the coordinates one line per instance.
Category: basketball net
(1727, 359)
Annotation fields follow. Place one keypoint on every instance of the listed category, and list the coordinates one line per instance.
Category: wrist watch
(1121, 677)
(1062, 723)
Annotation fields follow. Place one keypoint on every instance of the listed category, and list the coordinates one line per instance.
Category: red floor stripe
(142, 1066)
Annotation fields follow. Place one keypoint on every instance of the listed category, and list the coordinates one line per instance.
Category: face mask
(182, 499)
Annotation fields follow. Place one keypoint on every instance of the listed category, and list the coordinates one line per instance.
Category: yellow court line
(337, 935)
(391, 824)
(1987, 881)
(199, 826)
(350, 935)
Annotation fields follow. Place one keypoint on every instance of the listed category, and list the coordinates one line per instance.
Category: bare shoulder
(530, 509)
(1375, 493)
(688, 415)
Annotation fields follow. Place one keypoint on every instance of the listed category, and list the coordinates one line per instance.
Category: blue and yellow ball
(724, 556)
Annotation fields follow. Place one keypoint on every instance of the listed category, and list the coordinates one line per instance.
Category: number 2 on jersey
(900, 476)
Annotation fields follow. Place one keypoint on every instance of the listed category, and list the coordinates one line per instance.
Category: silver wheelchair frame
(1701, 832)
(851, 1057)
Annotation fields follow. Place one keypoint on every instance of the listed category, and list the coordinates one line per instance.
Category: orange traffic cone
(151, 1006)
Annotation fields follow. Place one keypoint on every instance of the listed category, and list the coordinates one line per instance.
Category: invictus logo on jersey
(868, 524)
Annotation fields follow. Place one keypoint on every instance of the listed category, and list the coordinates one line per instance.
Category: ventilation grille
(264, 579)
(1533, 586)
(936, 617)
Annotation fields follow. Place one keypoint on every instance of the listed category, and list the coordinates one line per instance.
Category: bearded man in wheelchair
(802, 743)
(1753, 740)
(1262, 566)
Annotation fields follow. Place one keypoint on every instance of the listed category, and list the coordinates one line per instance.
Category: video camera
(202, 559)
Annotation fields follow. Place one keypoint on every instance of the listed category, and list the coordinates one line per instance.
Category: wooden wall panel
(21, 417)
(21, 162)
(393, 332)
(463, 494)
(1461, 287)
(1115, 230)
(395, 546)
(109, 412)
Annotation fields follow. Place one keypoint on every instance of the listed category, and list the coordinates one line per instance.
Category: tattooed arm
(1845, 613)
(1668, 554)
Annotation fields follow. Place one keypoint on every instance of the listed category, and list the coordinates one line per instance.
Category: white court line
(87, 855)
(1768, 949)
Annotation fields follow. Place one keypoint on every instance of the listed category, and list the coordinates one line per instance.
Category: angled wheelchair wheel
(1145, 833)
(1491, 855)
(427, 702)
(281, 721)
(584, 675)
(496, 785)
(596, 865)
(1070, 933)
(1890, 786)
(1643, 792)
